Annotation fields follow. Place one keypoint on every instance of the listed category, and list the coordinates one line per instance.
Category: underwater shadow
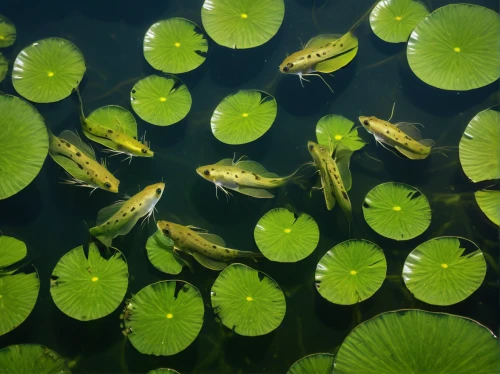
(32, 12)
(15, 208)
(384, 47)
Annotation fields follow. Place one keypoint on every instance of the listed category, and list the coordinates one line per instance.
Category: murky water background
(52, 218)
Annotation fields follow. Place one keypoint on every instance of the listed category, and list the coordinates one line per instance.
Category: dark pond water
(52, 218)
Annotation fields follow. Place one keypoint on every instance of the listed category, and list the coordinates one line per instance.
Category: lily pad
(247, 301)
(456, 47)
(24, 144)
(88, 288)
(479, 148)
(489, 202)
(244, 23)
(394, 20)
(439, 273)
(397, 211)
(7, 32)
(166, 317)
(243, 117)
(160, 253)
(31, 358)
(12, 250)
(317, 363)
(351, 272)
(175, 46)
(48, 70)
(161, 101)
(4, 67)
(334, 130)
(283, 236)
(417, 341)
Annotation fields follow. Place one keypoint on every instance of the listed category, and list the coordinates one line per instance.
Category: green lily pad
(161, 101)
(162, 371)
(417, 341)
(89, 288)
(479, 147)
(317, 363)
(12, 250)
(175, 46)
(248, 301)
(48, 70)
(160, 253)
(439, 273)
(334, 130)
(397, 211)
(351, 272)
(394, 20)
(4, 67)
(7, 32)
(456, 47)
(283, 236)
(24, 144)
(31, 358)
(166, 317)
(244, 23)
(489, 202)
(243, 117)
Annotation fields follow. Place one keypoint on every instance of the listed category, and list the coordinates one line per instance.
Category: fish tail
(250, 254)
(102, 237)
(296, 177)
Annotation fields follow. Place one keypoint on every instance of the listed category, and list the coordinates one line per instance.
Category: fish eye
(311, 147)
(322, 149)
(158, 191)
(366, 123)
(107, 185)
(144, 150)
(285, 69)
(206, 172)
(166, 232)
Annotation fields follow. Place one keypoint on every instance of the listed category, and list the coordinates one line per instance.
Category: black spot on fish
(421, 149)
(235, 176)
(88, 173)
(301, 58)
(110, 131)
(135, 137)
(68, 145)
(324, 53)
(345, 195)
(227, 173)
(78, 154)
(406, 143)
(318, 55)
(108, 223)
(90, 129)
(341, 45)
(256, 176)
(243, 172)
(308, 56)
(87, 162)
(335, 45)
(132, 209)
(227, 250)
(387, 132)
(214, 247)
(80, 166)
(59, 144)
(140, 204)
(116, 221)
(124, 214)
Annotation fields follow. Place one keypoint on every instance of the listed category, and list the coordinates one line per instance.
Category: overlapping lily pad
(7, 32)
(334, 130)
(31, 358)
(456, 47)
(160, 253)
(243, 117)
(4, 66)
(48, 70)
(244, 23)
(317, 363)
(12, 250)
(489, 202)
(247, 301)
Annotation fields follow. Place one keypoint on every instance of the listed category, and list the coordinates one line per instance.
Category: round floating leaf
(334, 130)
(416, 341)
(318, 363)
(89, 288)
(4, 66)
(283, 236)
(166, 317)
(489, 202)
(48, 70)
(161, 101)
(243, 117)
(24, 144)
(479, 148)
(397, 211)
(244, 23)
(394, 20)
(31, 358)
(160, 253)
(247, 301)
(456, 47)
(11, 251)
(7, 32)
(174, 46)
(351, 272)
(439, 273)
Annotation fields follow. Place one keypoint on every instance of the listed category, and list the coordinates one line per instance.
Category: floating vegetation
(351, 272)
(31, 358)
(164, 318)
(244, 23)
(243, 117)
(163, 371)
(4, 67)
(439, 273)
(456, 47)
(23, 129)
(89, 287)
(12, 251)
(7, 32)
(407, 341)
(283, 236)
(479, 148)
(336, 131)
(317, 363)
(48, 70)
(161, 101)
(489, 202)
(394, 20)
(175, 46)
(397, 211)
(160, 250)
(248, 301)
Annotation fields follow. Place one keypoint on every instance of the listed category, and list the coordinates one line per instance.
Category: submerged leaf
(31, 358)
(7, 32)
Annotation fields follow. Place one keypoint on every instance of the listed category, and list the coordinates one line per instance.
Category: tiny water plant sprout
(24, 144)
(410, 341)
(336, 131)
(18, 289)
(248, 301)
(283, 236)
(244, 23)
(48, 70)
(161, 101)
(351, 272)
(4, 66)
(243, 117)
(175, 46)
(160, 250)
(89, 287)
(489, 202)
(397, 211)
(394, 20)
(456, 47)
(7, 32)
(317, 363)
(164, 318)
(31, 358)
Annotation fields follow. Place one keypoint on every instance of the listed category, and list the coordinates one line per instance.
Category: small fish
(208, 249)
(120, 218)
(404, 137)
